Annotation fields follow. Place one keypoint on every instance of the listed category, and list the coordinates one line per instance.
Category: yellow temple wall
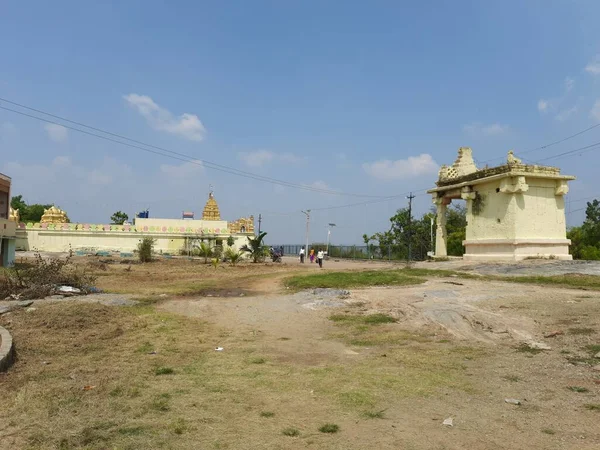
(62, 240)
(496, 219)
(208, 226)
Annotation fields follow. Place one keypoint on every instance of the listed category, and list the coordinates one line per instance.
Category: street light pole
(307, 213)
(328, 235)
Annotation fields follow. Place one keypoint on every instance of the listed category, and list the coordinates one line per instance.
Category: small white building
(7, 226)
(514, 211)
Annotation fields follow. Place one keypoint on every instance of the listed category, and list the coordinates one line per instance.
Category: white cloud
(569, 84)
(593, 67)
(57, 133)
(187, 126)
(543, 105)
(487, 130)
(413, 166)
(260, 158)
(595, 112)
(182, 171)
(565, 114)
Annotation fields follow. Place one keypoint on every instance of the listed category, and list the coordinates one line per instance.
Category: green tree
(591, 225)
(255, 247)
(119, 218)
(145, 249)
(29, 213)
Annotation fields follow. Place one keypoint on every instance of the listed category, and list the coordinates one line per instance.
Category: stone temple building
(55, 232)
(514, 211)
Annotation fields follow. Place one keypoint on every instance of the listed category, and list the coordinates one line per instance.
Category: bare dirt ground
(457, 350)
(498, 316)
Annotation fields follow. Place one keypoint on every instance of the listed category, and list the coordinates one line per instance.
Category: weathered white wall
(63, 240)
(496, 219)
(539, 212)
(534, 214)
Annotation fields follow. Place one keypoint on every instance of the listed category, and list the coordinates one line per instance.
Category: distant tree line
(394, 243)
(585, 239)
(29, 213)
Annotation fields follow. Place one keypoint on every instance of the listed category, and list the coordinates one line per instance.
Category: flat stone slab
(7, 349)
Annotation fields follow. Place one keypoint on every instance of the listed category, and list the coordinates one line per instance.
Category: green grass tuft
(258, 361)
(594, 348)
(329, 428)
(353, 279)
(371, 319)
(592, 406)
(512, 378)
(267, 414)
(524, 348)
(374, 414)
(548, 431)
(578, 389)
(164, 371)
(292, 432)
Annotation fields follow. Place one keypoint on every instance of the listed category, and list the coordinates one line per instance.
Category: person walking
(320, 256)
(302, 251)
(312, 255)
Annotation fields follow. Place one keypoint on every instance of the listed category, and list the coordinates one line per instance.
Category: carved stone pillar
(441, 205)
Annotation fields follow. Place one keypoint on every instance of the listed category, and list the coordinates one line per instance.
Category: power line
(585, 149)
(385, 199)
(172, 154)
(542, 147)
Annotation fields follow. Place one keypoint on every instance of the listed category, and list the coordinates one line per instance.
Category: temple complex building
(514, 211)
(55, 232)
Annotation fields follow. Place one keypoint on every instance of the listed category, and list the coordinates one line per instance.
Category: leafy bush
(205, 251)
(145, 249)
(43, 278)
(233, 256)
(256, 248)
(217, 252)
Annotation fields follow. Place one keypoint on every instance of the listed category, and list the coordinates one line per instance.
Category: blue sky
(358, 97)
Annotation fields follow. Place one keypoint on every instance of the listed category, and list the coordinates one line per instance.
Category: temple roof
(465, 172)
(211, 209)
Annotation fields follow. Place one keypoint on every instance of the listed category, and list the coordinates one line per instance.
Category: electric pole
(259, 222)
(409, 230)
(307, 213)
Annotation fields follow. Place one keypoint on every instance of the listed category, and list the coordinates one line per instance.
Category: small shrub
(329, 428)
(548, 431)
(233, 256)
(267, 414)
(163, 371)
(292, 432)
(145, 249)
(592, 406)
